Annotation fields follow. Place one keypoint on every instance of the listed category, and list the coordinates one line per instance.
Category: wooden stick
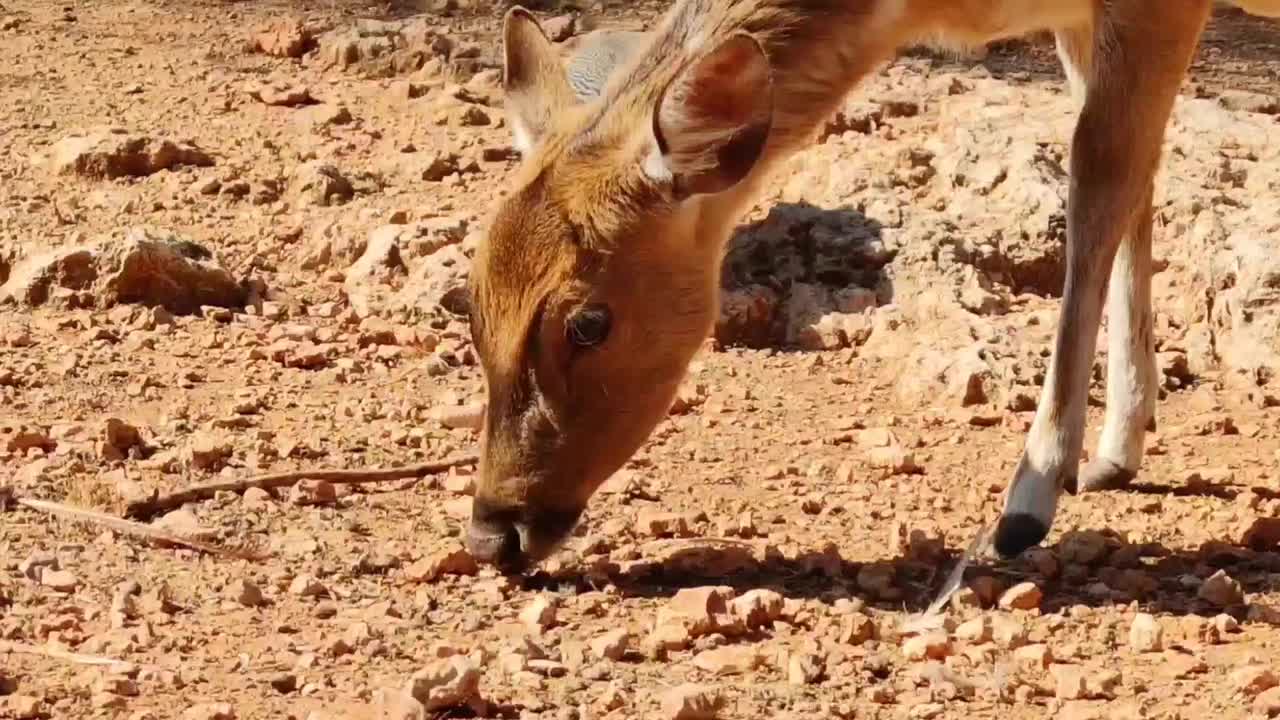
(77, 658)
(128, 527)
(205, 491)
(932, 617)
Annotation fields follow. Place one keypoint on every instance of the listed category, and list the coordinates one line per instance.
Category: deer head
(598, 280)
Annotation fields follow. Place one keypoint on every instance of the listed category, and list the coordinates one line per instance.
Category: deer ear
(533, 78)
(713, 119)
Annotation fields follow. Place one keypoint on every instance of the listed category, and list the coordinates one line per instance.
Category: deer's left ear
(713, 119)
(533, 78)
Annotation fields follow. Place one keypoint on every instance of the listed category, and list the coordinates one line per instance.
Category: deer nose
(492, 537)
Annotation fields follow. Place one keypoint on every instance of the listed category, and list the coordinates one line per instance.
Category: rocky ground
(233, 238)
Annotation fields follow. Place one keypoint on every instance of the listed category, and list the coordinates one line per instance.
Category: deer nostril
(495, 547)
(492, 536)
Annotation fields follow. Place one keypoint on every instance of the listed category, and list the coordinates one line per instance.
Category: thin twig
(130, 528)
(931, 618)
(16, 648)
(696, 542)
(205, 491)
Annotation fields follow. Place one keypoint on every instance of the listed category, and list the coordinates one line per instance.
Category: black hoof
(1017, 533)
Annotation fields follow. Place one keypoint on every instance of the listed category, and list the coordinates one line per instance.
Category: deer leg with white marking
(1131, 84)
(1131, 363)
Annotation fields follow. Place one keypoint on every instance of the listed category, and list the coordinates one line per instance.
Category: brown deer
(598, 279)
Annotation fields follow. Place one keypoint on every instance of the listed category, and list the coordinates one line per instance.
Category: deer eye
(589, 326)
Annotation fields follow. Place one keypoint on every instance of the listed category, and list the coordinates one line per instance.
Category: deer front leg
(1131, 84)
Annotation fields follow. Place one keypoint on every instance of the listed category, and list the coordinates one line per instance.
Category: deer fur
(597, 55)
(632, 181)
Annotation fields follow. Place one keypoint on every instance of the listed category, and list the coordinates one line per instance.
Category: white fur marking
(1131, 367)
(521, 138)
(696, 41)
(656, 166)
(1035, 489)
(1034, 493)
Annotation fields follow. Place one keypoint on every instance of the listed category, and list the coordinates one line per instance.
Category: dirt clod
(113, 153)
(59, 580)
(927, 647)
(1221, 590)
(448, 683)
(613, 645)
(539, 614)
(691, 702)
(1253, 680)
(210, 711)
(805, 669)
(1145, 634)
(247, 593)
(284, 38)
(1023, 596)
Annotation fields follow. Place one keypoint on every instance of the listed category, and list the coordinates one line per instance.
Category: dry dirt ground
(233, 239)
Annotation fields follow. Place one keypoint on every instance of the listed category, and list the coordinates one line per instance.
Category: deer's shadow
(1091, 568)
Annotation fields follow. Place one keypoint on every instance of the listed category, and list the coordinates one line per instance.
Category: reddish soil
(840, 457)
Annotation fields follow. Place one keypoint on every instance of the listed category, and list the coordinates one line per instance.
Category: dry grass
(93, 492)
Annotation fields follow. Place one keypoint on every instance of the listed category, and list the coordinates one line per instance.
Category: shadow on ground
(1091, 568)
(798, 264)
